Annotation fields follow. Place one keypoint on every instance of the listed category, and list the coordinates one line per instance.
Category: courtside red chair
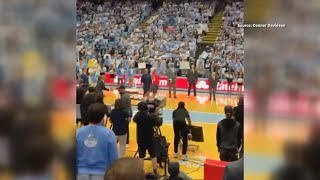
(213, 169)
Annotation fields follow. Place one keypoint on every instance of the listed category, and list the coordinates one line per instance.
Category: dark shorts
(154, 88)
(143, 149)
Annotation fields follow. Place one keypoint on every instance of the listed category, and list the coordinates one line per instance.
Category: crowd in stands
(123, 35)
(228, 51)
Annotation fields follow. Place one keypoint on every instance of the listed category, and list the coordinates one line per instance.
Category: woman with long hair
(181, 129)
(120, 120)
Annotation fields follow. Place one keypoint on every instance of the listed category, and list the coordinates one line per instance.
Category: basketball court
(203, 113)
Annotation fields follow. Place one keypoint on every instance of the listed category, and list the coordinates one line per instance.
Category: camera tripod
(160, 159)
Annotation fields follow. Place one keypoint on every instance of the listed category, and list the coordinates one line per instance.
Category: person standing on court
(155, 82)
(238, 113)
(145, 133)
(147, 81)
(100, 87)
(87, 100)
(192, 77)
(181, 129)
(228, 136)
(120, 120)
(172, 77)
(126, 100)
(96, 146)
(84, 78)
(213, 82)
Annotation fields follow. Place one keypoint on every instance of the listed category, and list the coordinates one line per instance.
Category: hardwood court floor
(203, 113)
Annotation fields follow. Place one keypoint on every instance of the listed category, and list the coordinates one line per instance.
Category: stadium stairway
(214, 29)
(214, 32)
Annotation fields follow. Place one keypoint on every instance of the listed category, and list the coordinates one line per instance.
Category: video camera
(154, 110)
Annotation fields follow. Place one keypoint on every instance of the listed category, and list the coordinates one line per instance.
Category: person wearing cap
(181, 129)
(229, 136)
(126, 100)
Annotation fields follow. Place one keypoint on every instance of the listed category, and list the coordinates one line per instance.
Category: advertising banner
(182, 84)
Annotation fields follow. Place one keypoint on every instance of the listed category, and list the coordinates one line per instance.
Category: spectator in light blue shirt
(96, 146)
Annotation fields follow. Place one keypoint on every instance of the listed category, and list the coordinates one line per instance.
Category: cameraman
(145, 133)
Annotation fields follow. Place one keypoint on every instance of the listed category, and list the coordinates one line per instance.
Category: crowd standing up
(169, 36)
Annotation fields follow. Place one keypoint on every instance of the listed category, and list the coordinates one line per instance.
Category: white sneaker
(176, 155)
(184, 157)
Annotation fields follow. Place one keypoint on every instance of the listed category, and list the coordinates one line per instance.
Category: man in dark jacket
(172, 76)
(100, 84)
(88, 99)
(229, 136)
(147, 81)
(79, 97)
(192, 77)
(213, 81)
(126, 100)
(145, 133)
(239, 117)
(238, 112)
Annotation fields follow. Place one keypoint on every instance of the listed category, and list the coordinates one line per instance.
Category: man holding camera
(145, 133)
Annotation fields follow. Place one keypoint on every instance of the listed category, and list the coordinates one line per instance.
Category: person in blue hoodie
(96, 146)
